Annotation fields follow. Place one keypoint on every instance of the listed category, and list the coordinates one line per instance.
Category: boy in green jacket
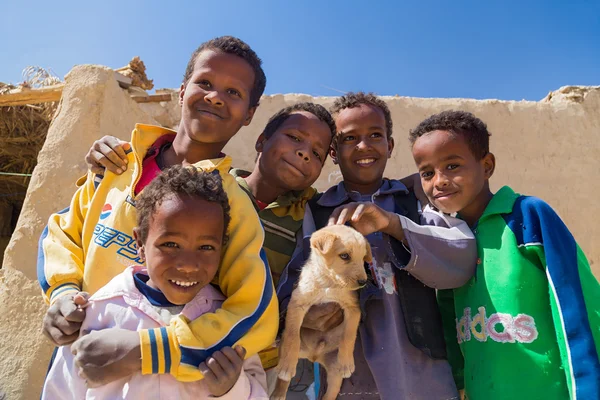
(528, 321)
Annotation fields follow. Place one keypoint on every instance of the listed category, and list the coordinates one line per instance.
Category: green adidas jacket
(527, 325)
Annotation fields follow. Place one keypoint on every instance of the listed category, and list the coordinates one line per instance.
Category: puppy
(333, 273)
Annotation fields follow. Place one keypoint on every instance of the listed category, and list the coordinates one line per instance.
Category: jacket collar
(502, 203)
(144, 136)
(285, 200)
(338, 195)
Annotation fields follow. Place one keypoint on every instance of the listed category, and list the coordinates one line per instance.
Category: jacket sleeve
(251, 385)
(248, 316)
(443, 249)
(60, 254)
(445, 299)
(574, 292)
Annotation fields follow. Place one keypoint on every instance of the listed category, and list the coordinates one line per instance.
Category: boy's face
(183, 247)
(452, 177)
(362, 147)
(215, 101)
(292, 158)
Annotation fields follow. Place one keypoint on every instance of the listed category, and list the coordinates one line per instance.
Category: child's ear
(140, 245)
(390, 146)
(260, 142)
(489, 165)
(181, 94)
(333, 154)
(249, 115)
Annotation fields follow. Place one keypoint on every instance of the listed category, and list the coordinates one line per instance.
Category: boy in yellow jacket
(87, 244)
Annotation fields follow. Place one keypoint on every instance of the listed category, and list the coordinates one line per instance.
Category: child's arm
(574, 292)
(60, 266)
(443, 249)
(442, 256)
(61, 256)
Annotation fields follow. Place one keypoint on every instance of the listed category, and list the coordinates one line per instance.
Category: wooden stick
(19, 97)
(152, 98)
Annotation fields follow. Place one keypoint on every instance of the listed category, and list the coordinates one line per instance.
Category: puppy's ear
(368, 254)
(322, 241)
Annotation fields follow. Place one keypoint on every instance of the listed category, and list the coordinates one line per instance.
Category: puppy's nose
(362, 282)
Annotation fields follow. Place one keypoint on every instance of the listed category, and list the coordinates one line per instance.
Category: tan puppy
(333, 273)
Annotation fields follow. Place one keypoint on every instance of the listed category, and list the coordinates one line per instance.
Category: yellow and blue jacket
(87, 244)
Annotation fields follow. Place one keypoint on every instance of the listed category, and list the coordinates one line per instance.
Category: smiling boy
(90, 242)
(528, 321)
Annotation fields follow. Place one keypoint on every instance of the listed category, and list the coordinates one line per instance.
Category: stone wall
(547, 148)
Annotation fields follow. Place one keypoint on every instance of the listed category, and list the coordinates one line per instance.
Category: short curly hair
(355, 99)
(181, 181)
(282, 115)
(462, 123)
(235, 46)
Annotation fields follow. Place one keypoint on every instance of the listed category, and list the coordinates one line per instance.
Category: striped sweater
(282, 222)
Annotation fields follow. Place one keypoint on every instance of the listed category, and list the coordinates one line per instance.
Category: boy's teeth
(365, 161)
(184, 284)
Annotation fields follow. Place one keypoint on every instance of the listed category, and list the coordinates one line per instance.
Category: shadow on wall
(9, 214)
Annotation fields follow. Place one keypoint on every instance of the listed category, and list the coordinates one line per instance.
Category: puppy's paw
(277, 397)
(346, 366)
(286, 370)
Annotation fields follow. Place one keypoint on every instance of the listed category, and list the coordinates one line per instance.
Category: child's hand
(107, 153)
(222, 370)
(366, 218)
(64, 317)
(107, 355)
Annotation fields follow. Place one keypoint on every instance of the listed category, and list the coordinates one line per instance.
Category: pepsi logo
(106, 210)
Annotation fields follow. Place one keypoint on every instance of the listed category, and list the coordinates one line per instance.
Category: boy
(220, 92)
(291, 152)
(401, 325)
(183, 217)
(528, 322)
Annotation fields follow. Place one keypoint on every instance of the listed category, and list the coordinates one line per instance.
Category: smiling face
(362, 147)
(453, 179)
(183, 247)
(292, 158)
(215, 100)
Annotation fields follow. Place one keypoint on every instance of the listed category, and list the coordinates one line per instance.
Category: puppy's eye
(345, 256)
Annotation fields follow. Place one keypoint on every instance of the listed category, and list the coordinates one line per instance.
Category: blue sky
(430, 48)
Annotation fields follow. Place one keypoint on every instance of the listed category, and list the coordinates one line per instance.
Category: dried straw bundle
(23, 131)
